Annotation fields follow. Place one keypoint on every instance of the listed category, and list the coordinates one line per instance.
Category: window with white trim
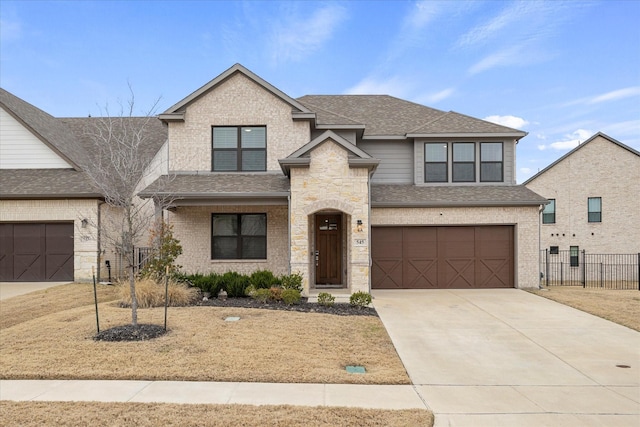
(594, 209)
(491, 162)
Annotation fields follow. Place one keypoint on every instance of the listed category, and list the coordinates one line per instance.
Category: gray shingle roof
(50, 130)
(384, 115)
(390, 195)
(69, 138)
(219, 185)
(45, 183)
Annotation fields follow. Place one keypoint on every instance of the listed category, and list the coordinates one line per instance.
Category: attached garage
(36, 252)
(443, 257)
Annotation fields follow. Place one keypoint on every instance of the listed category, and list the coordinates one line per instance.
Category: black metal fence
(141, 257)
(607, 271)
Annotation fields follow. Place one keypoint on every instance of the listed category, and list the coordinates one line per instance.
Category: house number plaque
(360, 242)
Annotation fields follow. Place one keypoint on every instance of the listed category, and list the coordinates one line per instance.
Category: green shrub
(211, 282)
(360, 299)
(291, 296)
(165, 249)
(261, 295)
(263, 279)
(250, 291)
(326, 299)
(235, 284)
(292, 281)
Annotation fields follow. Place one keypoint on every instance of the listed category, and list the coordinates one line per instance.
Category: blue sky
(561, 71)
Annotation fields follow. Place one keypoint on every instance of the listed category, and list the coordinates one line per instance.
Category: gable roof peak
(178, 108)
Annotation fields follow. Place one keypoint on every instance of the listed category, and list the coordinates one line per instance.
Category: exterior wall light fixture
(359, 226)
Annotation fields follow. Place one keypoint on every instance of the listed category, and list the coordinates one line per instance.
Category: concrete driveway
(505, 357)
(12, 289)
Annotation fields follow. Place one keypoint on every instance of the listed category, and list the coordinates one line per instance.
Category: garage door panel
(443, 257)
(32, 252)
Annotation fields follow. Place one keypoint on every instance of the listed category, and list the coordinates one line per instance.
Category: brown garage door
(442, 257)
(36, 252)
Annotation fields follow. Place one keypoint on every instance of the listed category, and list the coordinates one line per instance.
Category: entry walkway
(505, 357)
(12, 289)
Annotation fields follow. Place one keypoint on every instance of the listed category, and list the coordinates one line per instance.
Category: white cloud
(615, 95)
(10, 30)
(509, 121)
(541, 147)
(526, 171)
(294, 38)
(477, 35)
(439, 96)
(570, 141)
(510, 56)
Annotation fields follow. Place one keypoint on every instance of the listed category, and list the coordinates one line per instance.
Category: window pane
(254, 247)
(254, 225)
(549, 213)
(226, 137)
(254, 137)
(464, 152)
(491, 152)
(551, 207)
(595, 204)
(435, 172)
(225, 160)
(254, 160)
(225, 225)
(225, 248)
(464, 172)
(491, 172)
(435, 152)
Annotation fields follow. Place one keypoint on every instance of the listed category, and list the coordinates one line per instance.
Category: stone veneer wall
(192, 227)
(599, 169)
(237, 101)
(525, 220)
(85, 240)
(329, 184)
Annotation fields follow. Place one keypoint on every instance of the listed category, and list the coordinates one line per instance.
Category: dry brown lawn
(619, 306)
(153, 414)
(54, 340)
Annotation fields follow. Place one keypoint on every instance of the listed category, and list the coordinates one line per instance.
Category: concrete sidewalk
(505, 357)
(350, 395)
(12, 289)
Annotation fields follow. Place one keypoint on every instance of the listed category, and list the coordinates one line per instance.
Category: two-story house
(351, 191)
(594, 195)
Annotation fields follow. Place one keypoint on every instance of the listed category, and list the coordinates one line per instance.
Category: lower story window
(574, 253)
(239, 236)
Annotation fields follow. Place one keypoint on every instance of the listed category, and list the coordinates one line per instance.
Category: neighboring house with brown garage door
(351, 191)
(594, 194)
(50, 215)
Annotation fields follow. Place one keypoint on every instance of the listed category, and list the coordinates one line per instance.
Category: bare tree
(118, 162)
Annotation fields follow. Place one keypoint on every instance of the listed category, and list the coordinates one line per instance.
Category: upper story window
(239, 148)
(435, 162)
(549, 212)
(464, 162)
(491, 162)
(594, 208)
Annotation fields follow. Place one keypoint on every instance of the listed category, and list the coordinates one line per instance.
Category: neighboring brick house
(52, 221)
(353, 192)
(594, 194)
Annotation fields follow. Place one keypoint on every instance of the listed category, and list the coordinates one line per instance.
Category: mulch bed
(130, 333)
(340, 309)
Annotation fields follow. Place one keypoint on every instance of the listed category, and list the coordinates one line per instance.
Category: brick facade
(603, 169)
(238, 101)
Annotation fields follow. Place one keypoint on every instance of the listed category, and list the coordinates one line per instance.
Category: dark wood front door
(328, 255)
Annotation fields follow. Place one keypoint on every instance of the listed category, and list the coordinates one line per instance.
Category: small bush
(151, 294)
(291, 296)
(292, 281)
(250, 291)
(263, 279)
(211, 282)
(326, 299)
(261, 295)
(276, 293)
(235, 284)
(360, 299)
